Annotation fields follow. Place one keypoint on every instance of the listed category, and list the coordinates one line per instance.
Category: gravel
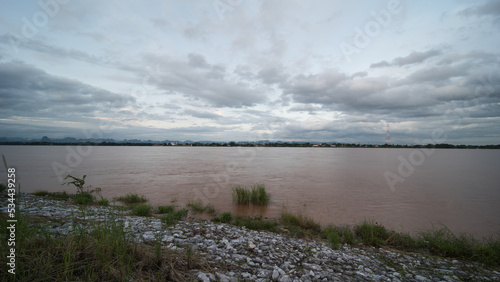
(240, 254)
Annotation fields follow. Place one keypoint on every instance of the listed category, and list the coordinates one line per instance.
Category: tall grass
(259, 195)
(99, 252)
(300, 225)
(142, 210)
(132, 198)
(256, 195)
(241, 195)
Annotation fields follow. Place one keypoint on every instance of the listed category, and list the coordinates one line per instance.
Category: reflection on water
(458, 188)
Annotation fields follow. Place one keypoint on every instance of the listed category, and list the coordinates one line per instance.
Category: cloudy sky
(251, 70)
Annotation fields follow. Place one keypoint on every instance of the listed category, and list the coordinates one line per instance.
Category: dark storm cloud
(28, 91)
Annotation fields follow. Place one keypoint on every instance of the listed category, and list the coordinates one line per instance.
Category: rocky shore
(240, 254)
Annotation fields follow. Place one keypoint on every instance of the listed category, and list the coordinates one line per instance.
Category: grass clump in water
(142, 210)
(259, 195)
(241, 195)
(197, 207)
(132, 198)
(256, 195)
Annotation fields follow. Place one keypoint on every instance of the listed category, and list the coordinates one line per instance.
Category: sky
(245, 70)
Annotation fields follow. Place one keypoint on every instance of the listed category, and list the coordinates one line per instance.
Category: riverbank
(225, 252)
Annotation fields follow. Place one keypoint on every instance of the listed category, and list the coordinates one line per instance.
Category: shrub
(372, 233)
(83, 198)
(165, 209)
(142, 210)
(300, 225)
(132, 199)
(103, 202)
(225, 217)
(173, 217)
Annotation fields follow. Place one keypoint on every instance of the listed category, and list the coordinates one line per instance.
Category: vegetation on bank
(102, 252)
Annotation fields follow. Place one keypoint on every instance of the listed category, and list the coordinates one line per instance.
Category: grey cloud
(208, 84)
(305, 108)
(380, 64)
(490, 8)
(272, 75)
(28, 91)
(415, 57)
(412, 58)
(197, 61)
(202, 114)
(425, 92)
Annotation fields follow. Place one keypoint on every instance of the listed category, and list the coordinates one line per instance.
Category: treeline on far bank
(252, 144)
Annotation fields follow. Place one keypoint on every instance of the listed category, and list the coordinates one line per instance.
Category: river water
(404, 189)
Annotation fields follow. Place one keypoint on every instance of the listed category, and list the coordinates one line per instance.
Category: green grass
(53, 195)
(142, 210)
(83, 198)
(337, 235)
(196, 207)
(173, 217)
(131, 199)
(444, 243)
(3, 187)
(103, 202)
(165, 209)
(300, 225)
(226, 217)
(100, 252)
(259, 195)
(210, 209)
(372, 233)
(256, 223)
(256, 195)
(241, 195)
